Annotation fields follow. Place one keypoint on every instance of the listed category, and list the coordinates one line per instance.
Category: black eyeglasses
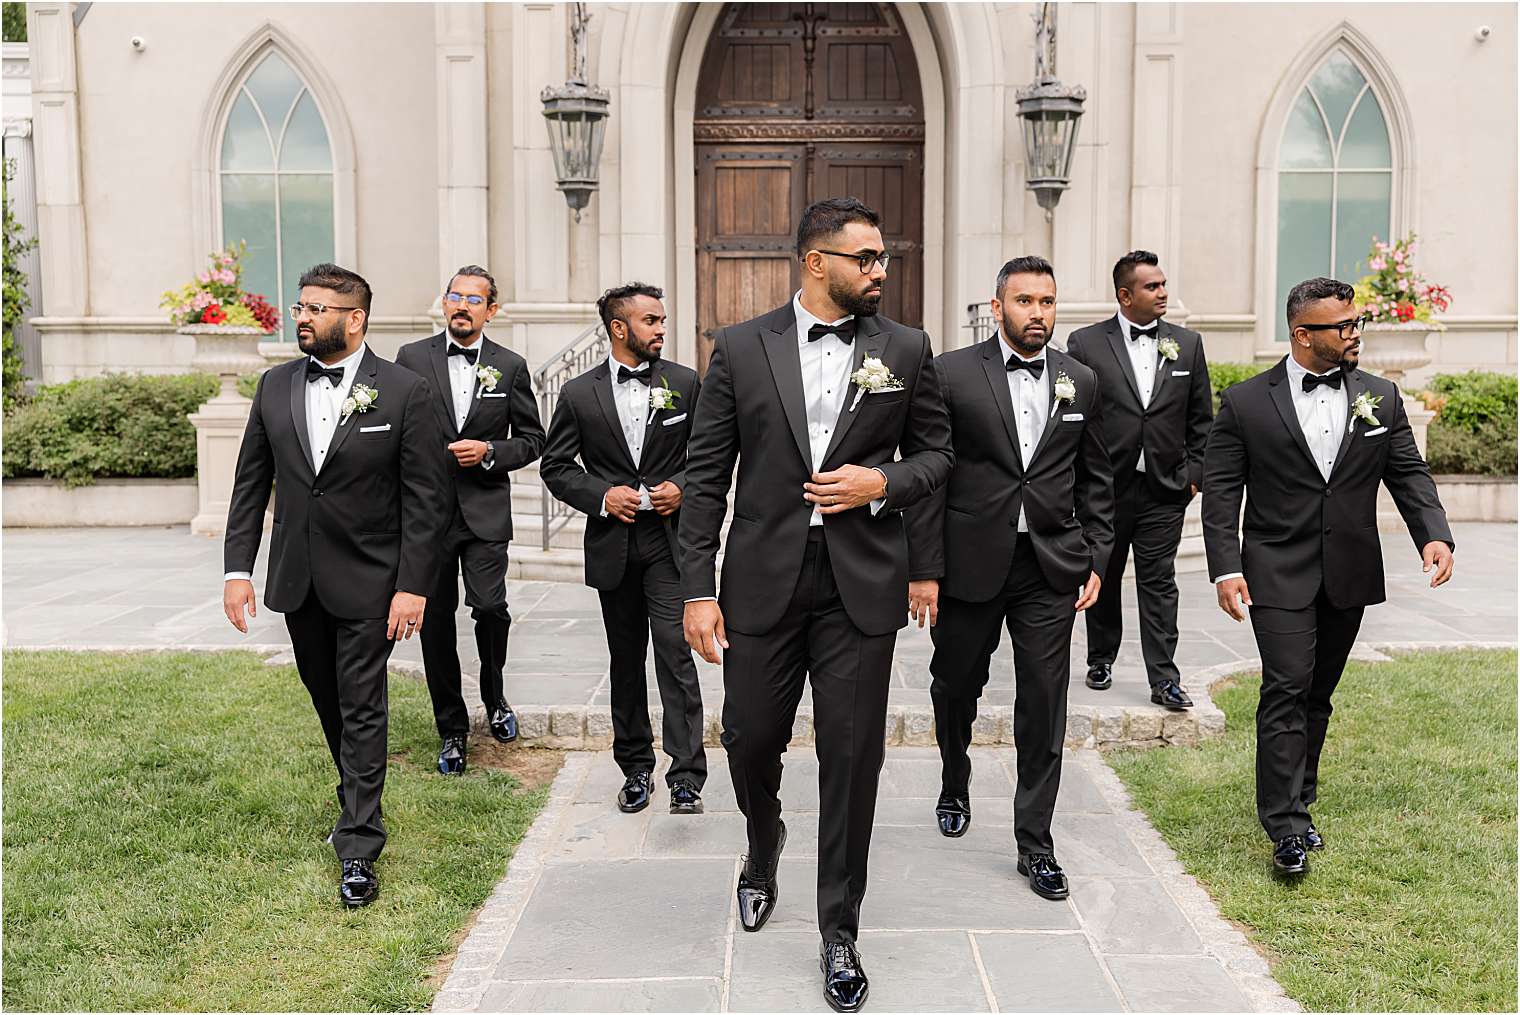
(865, 259)
(1355, 326)
(315, 309)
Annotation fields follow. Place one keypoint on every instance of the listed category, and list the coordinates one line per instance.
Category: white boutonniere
(662, 397)
(487, 376)
(1065, 388)
(361, 398)
(1168, 349)
(872, 378)
(1365, 409)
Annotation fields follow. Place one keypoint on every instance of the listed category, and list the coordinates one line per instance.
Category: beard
(852, 302)
(1023, 341)
(643, 350)
(321, 343)
(461, 326)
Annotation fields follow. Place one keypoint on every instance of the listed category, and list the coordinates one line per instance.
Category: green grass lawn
(1411, 907)
(164, 818)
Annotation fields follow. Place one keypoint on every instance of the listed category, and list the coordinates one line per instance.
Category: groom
(817, 552)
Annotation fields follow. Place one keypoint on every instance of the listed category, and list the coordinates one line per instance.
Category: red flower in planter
(1404, 311)
(213, 314)
(266, 315)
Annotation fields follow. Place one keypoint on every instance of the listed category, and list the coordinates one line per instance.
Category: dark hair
(339, 280)
(827, 217)
(1313, 289)
(1029, 264)
(1124, 267)
(610, 307)
(476, 271)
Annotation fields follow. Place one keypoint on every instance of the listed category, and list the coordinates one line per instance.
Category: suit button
(316, 492)
(1327, 530)
(1327, 491)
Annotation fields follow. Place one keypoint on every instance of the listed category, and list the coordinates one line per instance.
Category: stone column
(55, 129)
(1155, 207)
(463, 172)
(225, 352)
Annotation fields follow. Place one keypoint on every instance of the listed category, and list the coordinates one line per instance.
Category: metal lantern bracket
(1051, 112)
(576, 115)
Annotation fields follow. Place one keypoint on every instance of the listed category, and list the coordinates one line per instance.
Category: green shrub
(15, 22)
(119, 425)
(1474, 432)
(17, 300)
(1222, 375)
(1470, 400)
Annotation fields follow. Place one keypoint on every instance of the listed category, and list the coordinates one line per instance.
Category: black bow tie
(315, 370)
(625, 375)
(1333, 379)
(459, 350)
(1138, 333)
(1036, 367)
(844, 331)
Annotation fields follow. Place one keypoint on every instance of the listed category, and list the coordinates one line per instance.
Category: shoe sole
(1290, 872)
(1053, 896)
(1100, 687)
(361, 904)
(503, 740)
(686, 808)
(446, 771)
(1171, 708)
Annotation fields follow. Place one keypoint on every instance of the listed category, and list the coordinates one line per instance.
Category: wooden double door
(797, 102)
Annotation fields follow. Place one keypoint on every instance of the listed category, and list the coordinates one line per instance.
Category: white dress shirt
(462, 381)
(632, 400)
(826, 369)
(1031, 408)
(1145, 359)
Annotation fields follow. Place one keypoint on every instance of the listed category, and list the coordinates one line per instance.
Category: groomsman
(350, 445)
(628, 420)
(1157, 407)
(1019, 536)
(486, 410)
(1307, 444)
(814, 400)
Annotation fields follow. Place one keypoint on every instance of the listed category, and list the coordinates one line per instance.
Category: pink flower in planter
(1377, 264)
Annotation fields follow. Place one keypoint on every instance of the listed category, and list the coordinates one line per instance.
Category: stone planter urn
(1394, 350)
(227, 351)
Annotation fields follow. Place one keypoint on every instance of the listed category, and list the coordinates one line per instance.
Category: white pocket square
(375, 429)
(1071, 417)
(886, 391)
(1374, 433)
(493, 394)
(672, 421)
(1181, 373)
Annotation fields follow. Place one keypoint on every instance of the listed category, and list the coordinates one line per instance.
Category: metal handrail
(981, 322)
(585, 349)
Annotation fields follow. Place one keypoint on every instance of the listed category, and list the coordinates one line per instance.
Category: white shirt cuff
(1227, 577)
(487, 465)
(246, 576)
(703, 599)
(877, 505)
(603, 512)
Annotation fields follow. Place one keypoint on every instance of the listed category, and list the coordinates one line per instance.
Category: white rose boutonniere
(873, 378)
(1065, 388)
(1168, 349)
(487, 376)
(361, 398)
(662, 397)
(1365, 409)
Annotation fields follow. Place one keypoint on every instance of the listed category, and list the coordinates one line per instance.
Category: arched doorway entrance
(796, 102)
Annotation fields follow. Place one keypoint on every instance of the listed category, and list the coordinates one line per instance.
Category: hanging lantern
(576, 113)
(1051, 112)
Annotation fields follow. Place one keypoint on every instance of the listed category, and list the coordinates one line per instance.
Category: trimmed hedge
(1222, 375)
(119, 425)
(1474, 432)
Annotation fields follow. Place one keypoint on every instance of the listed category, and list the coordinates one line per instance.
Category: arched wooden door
(797, 102)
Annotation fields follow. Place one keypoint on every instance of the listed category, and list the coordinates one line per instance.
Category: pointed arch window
(1335, 178)
(276, 181)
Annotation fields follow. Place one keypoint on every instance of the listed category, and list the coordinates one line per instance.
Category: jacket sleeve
(561, 470)
(711, 453)
(425, 513)
(927, 457)
(679, 478)
(251, 486)
(1200, 417)
(1094, 488)
(926, 518)
(1407, 477)
(527, 440)
(1225, 470)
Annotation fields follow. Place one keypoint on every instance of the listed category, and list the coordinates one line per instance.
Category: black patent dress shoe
(1046, 877)
(634, 796)
(1100, 676)
(1313, 840)
(844, 981)
(757, 887)
(451, 756)
(685, 798)
(1290, 856)
(359, 885)
(1168, 694)
(953, 814)
(504, 724)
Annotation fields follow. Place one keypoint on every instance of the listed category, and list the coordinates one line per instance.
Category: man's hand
(468, 453)
(923, 601)
(623, 503)
(1229, 591)
(238, 593)
(406, 615)
(1437, 555)
(847, 487)
(1089, 591)
(666, 498)
(704, 629)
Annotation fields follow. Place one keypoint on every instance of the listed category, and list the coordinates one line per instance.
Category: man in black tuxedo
(1307, 443)
(350, 444)
(813, 400)
(1157, 408)
(483, 397)
(628, 420)
(1019, 536)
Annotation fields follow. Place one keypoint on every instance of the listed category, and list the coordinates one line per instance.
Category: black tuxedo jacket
(752, 410)
(586, 424)
(965, 534)
(507, 417)
(370, 523)
(1302, 532)
(1173, 429)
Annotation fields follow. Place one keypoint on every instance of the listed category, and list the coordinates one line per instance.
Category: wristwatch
(490, 456)
(882, 473)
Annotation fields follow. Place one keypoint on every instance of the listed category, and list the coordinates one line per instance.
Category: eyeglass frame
(473, 299)
(317, 309)
(863, 260)
(1358, 325)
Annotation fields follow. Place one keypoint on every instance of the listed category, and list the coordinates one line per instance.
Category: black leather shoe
(757, 887)
(451, 756)
(954, 815)
(1313, 840)
(634, 796)
(1045, 875)
(684, 798)
(359, 885)
(844, 982)
(504, 724)
(1290, 856)
(1100, 676)
(1168, 694)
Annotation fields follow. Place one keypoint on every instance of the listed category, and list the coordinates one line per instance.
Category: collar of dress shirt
(349, 365)
(806, 320)
(613, 363)
(1297, 372)
(1009, 352)
(1125, 324)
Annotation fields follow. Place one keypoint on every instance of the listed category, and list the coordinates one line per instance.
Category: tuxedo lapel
(995, 366)
(368, 367)
(298, 410)
(438, 356)
(869, 341)
(655, 378)
(1117, 344)
(1282, 397)
(1354, 387)
(786, 370)
(1055, 363)
(1159, 387)
(602, 386)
